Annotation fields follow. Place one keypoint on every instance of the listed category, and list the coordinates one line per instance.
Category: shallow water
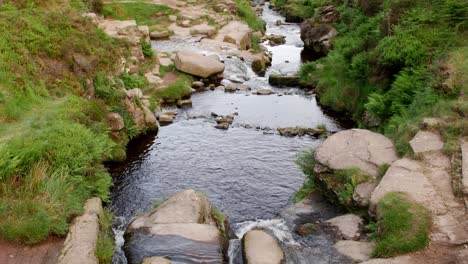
(249, 174)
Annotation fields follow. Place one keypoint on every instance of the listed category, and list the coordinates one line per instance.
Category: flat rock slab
(464, 149)
(355, 148)
(261, 248)
(80, 244)
(407, 176)
(156, 260)
(355, 250)
(396, 260)
(426, 141)
(348, 226)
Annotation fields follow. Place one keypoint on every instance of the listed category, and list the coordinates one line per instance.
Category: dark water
(249, 174)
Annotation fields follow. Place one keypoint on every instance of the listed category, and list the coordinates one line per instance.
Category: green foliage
(105, 244)
(147, 50)
(347, 180)
(403, 226)
(306, 162)
(384, 69)
(104, 89)
(174, 91)
(255, 43)
(48, 172)
(246, 13)
(133, 81)
(219, 218)
(297, 10)
(143, 13)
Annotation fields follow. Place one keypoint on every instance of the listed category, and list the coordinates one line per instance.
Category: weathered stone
(355, 148)
(347, 226)
(464, 149)
(166, 119)
(301, 131)
(134, 93)
(276, 39)
(261, 248)
(197, 64)
(282, 80)
(116, 121)
(426, 141)
(264, 92)
(184, 207)
(203, 29)
(182, 103)
(318, 37)
(407, 176)
(355, 250)
(328, 14)
(197, 85)
(160, 34)
(156, 260)
(237, 33)
(395, 260)
(259, 66)
(222, 126)
(362, 193)
(181, 227)
(80, 244)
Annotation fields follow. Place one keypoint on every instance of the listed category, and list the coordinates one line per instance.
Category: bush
(147, 50)
(403, 226)
(134, 81)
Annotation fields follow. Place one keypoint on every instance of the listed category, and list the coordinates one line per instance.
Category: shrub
(403, 226)
(133, 81)
(147, 50)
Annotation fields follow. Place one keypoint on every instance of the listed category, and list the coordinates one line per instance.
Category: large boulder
(318, 37)
(198, 64)
(80, 245)
(355, 148)
(261, 248)
(237, 33)
(181, 228)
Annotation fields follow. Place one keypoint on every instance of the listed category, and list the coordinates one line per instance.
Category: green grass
(220, 219)
(105, 244)
(174, 91)
(51, 168)
(147, 50)
(52, 140)
(143, 13)
(403, 226)
(306, 162)
(131, 81)
(297, 10)
(246, 13)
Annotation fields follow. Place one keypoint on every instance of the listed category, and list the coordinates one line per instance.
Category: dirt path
(46, 252)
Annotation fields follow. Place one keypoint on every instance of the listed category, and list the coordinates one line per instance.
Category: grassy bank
(52, 140)
(391, 69)
(143, 13)
(247, 14)
(403, 226)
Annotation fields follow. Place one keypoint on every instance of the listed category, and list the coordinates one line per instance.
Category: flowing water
(247, 171)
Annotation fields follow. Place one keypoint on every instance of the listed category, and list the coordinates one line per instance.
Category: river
(247, 171)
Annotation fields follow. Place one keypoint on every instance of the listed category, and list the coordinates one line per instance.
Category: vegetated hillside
(395, 62)
(52, 139)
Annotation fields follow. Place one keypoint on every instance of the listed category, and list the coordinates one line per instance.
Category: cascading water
(249, 174)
